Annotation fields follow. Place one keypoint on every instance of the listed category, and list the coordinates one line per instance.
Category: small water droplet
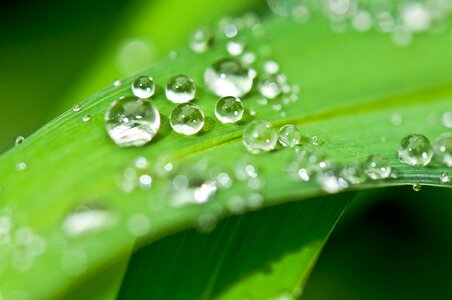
(269, 87)
(377, 167)
(19, 140)
(230, 30)
(187, 119)
(306, 162)
(202, 40)
(139, 224)
(228, 77)
(229, 109)
(415, 150)
(180, 89)
(446, 118)
(362, 21)
(417, 187)
(353, 172)
(271, 67)
(143, 87)
(76, 108)
(248, 58)
(236, 205)
(444, 177)
(396, 119)
(207, 222)
(117, 83)
(255, 201)
(330, 180)
(289, 136)
(415, 16)
(300, 13)
(235, 48)
(21, 166)
(443, 149)
(224, 180)
(316, 141)
(260, 136)
(85, 219)
(132, 122)
(205, 191)
(86, 118)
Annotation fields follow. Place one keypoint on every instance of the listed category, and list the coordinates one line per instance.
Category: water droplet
(353, 172)
(76, 108)
(235, 48)
(362, 21)
(85, 219)
(269, 87)
(415, 150)
(377, 167)
(236, 205)
(139, 224)
(230, 30)
(202, 40)
(289, 136)
(396, 119)
(224, 180)
(255, 201)
(271, 67)
(260, 136)
(180, 89)
(19, 140)
(330, 180)
(21, 166)
(300, 13)
(117, 83)
(316, 141)
(307, 162)
(446, 118)
(229, 109)
(248, 58)
(444, 177)
(132, 122)
(143, 87)
(86, 118)
(443, 149)
(187, 119)
(417, 187)
(227, 77)
(415, 16)
(206, 190)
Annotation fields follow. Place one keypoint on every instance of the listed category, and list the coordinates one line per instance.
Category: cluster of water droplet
(401, 20)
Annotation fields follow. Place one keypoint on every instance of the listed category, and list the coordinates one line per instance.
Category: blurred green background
(391, 244)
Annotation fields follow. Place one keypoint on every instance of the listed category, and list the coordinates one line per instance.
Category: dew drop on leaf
(415, 150)
(269, 87)
(228, 77)
(76, 108)
(187, 119)
(86, 118)
(143, 87)
(235, 48)
(417, 187)
(289, 136)
(229, 109)
(202, 40)
(19, 140)
(180, 89)
(443, 149)
(377, 167)
(260, 136)
(444, 177)
(131, 121)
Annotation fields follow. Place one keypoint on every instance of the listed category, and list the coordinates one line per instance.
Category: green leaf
(351, 84)
(265, 253)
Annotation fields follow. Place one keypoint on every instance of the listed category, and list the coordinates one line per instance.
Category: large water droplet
(377, 167)
(187, 119)
(143, 87)
(269, 86)
(260, 136)
(415, 150)
(229, 109)
(180, 89)
(443, 149)
(289, 136)
(202, 40)
(227, 77)
(132, 122)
